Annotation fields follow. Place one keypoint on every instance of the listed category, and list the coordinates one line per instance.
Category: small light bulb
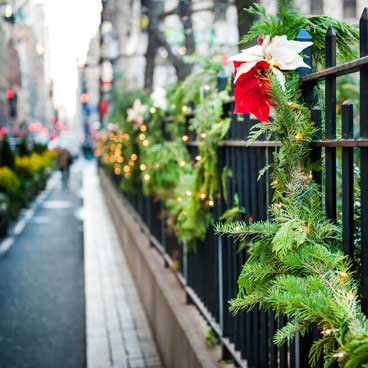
(198, 158)
(202, 196)
(143, 128)
(143, 167)
(299, 136)
(145, 143)
(184, 109)
(133, 157)
(343, 276)
(146, 177)
(339, 355)
(188, 193)
(211, 203)
(203, 135)
(152, 110)
(327, 332)
(182, 163)
(142, 137)
(185, 138)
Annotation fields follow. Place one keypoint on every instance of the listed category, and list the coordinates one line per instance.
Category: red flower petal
(251, 92)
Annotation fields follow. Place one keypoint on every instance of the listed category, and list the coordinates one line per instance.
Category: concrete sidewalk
(118, 334)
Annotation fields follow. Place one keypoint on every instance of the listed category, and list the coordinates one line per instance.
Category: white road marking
(6, 244)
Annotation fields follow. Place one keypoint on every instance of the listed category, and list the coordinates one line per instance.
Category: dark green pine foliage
(22, 148)
(289, 23)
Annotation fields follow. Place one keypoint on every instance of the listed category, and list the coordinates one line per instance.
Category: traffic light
(12, 103)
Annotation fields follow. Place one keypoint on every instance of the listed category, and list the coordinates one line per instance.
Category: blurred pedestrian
(64, 162)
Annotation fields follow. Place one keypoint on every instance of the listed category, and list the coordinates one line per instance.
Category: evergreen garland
(296, 266)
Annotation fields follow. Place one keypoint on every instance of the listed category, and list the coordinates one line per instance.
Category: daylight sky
(71, 24)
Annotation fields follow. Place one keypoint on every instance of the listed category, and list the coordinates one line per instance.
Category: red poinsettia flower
(252, 91)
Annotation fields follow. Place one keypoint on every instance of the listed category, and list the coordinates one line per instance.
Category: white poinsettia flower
(278, 52)
(159, 98)
(136, 112)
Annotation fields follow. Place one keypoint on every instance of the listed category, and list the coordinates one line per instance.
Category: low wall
(178, 328)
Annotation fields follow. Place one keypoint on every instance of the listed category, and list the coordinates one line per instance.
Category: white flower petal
(299, 46)
(244, 68)
(296, 63)
(251, 54)
(280, 77)
(265, 42)
(285, 53)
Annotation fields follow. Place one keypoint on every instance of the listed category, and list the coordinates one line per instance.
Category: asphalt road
(42, 287)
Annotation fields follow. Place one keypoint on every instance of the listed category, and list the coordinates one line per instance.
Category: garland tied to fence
(296, 266)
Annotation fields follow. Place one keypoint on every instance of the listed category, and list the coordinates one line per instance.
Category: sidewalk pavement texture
(42, 285)
(117, 331)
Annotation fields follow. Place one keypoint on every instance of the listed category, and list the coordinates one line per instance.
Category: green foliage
(162, 164)
(9, 181)
(289, 23)
(295, 265)
(210, 339)
(191, 90)
(165, 157)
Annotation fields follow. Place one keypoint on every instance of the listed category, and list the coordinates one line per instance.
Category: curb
(178, 328)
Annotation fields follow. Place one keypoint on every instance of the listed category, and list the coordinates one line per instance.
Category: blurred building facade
(215, 30)
(23, 56)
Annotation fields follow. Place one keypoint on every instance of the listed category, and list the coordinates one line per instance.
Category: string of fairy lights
(109, 149)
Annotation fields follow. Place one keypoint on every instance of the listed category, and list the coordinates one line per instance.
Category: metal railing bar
(337, 71)
(346, 143)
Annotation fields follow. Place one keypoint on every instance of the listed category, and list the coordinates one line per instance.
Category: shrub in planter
(9, 181)
(6, 153)
(10, 185)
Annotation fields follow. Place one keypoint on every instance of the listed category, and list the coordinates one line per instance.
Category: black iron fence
(209, 275)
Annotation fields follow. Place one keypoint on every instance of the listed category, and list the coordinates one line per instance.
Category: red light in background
(3, 131)
(44, 132)
(59, 125)
(10, 94)
(84, 98)
(35, 127)
(104, 107)
(224, 59)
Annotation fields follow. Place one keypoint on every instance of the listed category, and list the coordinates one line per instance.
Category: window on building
(350, 8)
(316, 7)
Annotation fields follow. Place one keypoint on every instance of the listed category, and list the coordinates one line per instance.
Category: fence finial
(330, 47)
(363, 30)
(304, 36)
(221, 80)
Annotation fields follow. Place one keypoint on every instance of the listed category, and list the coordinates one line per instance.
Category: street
(42, 286)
